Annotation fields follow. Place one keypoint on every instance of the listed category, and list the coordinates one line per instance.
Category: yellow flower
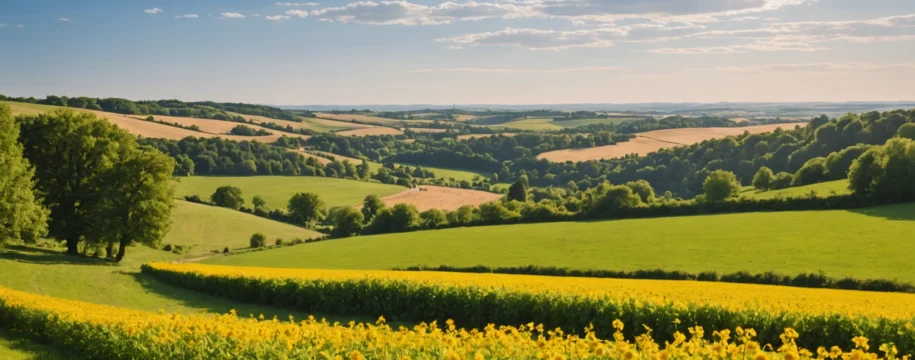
(356, 355)
(618, 325)
(860, 342)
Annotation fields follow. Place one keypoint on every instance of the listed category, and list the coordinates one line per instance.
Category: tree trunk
(72, 245)
(122, 250)
(109, 250)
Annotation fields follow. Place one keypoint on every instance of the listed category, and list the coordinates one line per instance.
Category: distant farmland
(277, 190)
(823, 189)
(652, 141)
(443, 198)
(378, 130)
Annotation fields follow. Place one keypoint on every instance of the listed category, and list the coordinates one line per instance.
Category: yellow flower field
(725, 295)
(99, 331)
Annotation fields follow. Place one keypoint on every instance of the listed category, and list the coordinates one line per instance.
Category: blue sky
(465, 52)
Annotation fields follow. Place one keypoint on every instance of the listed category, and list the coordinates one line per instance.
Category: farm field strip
(427, 197)
(475, 300)
(722, 243)
(652, 141)
(360, 118)
(378, 130)
(823, 189)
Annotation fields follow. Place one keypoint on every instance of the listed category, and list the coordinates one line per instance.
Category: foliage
(371, 205)
(764, 180)
(258, 240)
(907, 131)
(810, 280)
(94, 178)
(433, 219)
(21, 215)
(306, 208)
(475, 301)
(720, 185)
(217, 156)
(517, 192)
(228, 196)
(347, 221)
(782, 180)
(886, 172)
(813, 171)
(258, 202)
(643, 189)
(247, 131)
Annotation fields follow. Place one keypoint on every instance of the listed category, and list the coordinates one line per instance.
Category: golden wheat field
(378, 130)
(652, 141)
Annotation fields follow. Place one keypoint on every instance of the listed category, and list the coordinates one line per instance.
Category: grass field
(438, 197)
(277, 190)
(841, 243)
(585, 122)
(452, 173)
(529, 124)
(378, 130)
(838, 187)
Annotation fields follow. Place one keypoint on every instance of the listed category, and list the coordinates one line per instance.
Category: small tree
(306, 209)
(258, 240)
(371, 205)
(404, 217)
(782, 180)
(720, 185)
(258, 202)
(907, 131)
(228, 196)
(433, 218)
(643, 189)
(517, 192)
(347, 221)
(764, 179)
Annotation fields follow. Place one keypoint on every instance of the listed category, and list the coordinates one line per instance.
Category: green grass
(529, 124)
(838, 187)
(48, 271)
(870, 243)
(585, 122)
(451, 173)
(277, 190)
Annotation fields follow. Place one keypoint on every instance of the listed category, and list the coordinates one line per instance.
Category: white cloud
(187, 16)
(520, 71)
(536, 39)
(811, 67)
(296, 4)
(297, 13)
(406, 13)
(65, 19)
(277, 17)
(153, 11)
(232, 15)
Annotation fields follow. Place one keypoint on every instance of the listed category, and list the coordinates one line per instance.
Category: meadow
(823, 189)
(795, 242)
(277, 190)
(529, 124)
(585, 122)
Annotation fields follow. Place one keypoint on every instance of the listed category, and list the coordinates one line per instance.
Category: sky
(465, 52)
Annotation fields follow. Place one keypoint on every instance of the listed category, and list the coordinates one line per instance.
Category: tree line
(202, 109)
(82, 180)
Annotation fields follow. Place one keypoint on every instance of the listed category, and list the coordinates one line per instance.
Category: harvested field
(338, 157)
(426, 130)
(306, 123)
(438, 197)
(135, 125)
(652, 141)
(465, 117)
(470, 136)
(216, 127)
(378, 130)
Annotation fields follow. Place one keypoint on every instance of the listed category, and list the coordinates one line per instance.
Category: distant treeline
(819, 281)
(670, 122)
(202, 109)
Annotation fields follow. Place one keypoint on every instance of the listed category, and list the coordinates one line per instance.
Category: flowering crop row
(474, 300)
(106, 332)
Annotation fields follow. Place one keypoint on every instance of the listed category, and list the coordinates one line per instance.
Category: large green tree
(517, 192)
(371, 205)
(21, 215)
(347, 221)
(720, 185)
(137, 202)
(764, 179)
(71, 152)
(306, 208)
(228, 196)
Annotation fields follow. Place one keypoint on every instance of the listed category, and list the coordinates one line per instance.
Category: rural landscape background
(496, 179)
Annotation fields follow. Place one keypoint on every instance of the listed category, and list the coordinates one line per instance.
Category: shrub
(258, 240)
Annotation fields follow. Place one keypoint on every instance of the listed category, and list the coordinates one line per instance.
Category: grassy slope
(853, 243)
(27, 109)
(529, 124)
(47, 271)
(277, 190)
(584, 122)
(838, 187)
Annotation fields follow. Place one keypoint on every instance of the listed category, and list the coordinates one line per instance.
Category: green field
(451, 173)
(277, 190)
(838, 187)
(529, 124)
(841, 243)
(585, 122)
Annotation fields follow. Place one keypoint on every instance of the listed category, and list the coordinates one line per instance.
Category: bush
(278, 242)
(720, 185)
(258, 240)
(782, 180)
(764, 180)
